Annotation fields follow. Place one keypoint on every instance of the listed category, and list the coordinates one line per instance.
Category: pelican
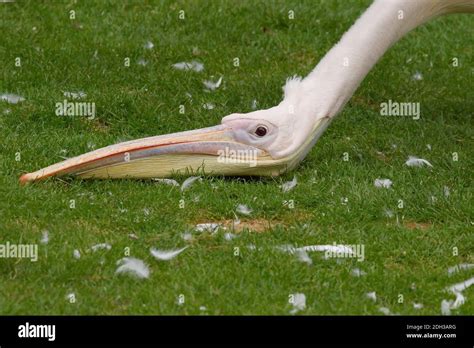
(272, 141)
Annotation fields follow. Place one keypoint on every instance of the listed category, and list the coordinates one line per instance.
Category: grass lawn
(408, 248)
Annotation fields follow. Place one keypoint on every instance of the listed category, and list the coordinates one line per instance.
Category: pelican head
(261, 143)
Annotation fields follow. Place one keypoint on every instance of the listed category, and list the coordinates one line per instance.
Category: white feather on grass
(385, 183)
(446, 191)
(243, 209)
(213, 85)
(76, 254)
(357, 272)
(186, 66)
(166, 255)
(301, 252)
(207, 227)
(11, 98)
(189, 181)
(142, 62)
(446, 307)
(170, 182)
(460, 267)
(417, 305)
(208, 106)
(187, 236)
(289, 185)
(413, 161)
(149, 45)
(457, 290)
(44, 237)
(303, 256)
(229, 236)
(371, 295)
(101, 246)
(134, 267)
(417, 76)
(343, 249)
(299, 303)
(384, 310)
(254, 104)
(75, 95)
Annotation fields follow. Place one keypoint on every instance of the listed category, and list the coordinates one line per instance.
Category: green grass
(139, 101)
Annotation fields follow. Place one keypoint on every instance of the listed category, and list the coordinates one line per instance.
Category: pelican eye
(261, 131)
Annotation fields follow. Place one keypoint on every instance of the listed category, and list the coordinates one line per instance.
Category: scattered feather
(301, 251)
(389, 213)
(357, 272)
(289, 185)
(299, 303)
(446, 307)
(11, 98)
(417, 162)
(417, 76)
(372, 295)
(100, 246)
(193, 65)
(189, 181)
(243, 209)
(417, 305)
(91, 145)
(149, 45)
(170, 182)
(229, 236)
(251, 247)
(303, 256)
(446, 191)
(384, 310)
(166, 255)
(187, 236)
(76, 254)
(254, 104)
(343, 249)
(142, 62)
(460, 267)
(428, 146)
(133, 267)
(207, 227)
(213, 85)
(71, 297)
(202, 308)
(457, 290)
(75, 95)
(385, 183)
(44, 237)
(208, 106)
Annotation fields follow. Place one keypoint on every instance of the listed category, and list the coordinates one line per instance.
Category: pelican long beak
(211, 150)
